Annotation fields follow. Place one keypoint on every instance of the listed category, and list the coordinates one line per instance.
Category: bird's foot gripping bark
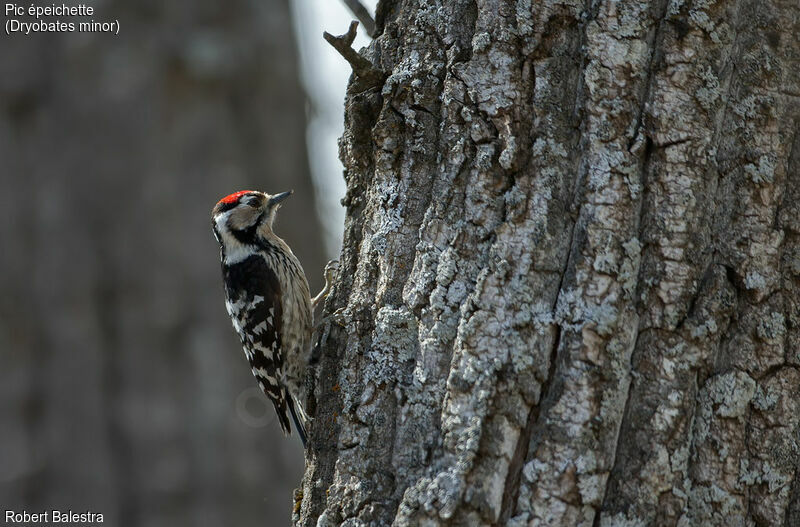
(298, 500)
(331, 269)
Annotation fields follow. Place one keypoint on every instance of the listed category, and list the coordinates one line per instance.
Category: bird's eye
(254, 202)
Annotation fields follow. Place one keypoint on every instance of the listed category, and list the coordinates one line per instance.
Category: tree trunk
(570, 284)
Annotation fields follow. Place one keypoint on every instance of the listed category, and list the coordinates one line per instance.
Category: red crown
(233, 198)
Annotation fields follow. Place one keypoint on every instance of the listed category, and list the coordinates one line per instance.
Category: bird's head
(239, 217)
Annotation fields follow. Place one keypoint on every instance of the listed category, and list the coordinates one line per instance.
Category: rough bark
(570, 281)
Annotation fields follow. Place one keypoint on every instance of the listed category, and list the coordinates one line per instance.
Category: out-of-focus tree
(123, 389)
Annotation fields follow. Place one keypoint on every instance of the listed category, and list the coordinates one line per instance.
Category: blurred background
(123, 388)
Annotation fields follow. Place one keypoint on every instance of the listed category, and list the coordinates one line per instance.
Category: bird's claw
(331, 269)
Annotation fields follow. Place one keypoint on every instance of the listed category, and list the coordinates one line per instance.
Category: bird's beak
(277, 198)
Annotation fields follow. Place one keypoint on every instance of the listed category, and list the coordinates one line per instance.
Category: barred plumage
(267, 298)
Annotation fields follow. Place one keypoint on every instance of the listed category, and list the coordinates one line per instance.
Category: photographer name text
(52, 516)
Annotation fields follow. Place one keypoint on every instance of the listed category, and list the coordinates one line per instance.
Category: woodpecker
(268, 300)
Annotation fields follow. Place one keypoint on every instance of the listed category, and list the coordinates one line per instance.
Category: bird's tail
(299, 420)
(283, 419)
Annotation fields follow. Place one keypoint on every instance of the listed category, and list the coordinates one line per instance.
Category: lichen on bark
(569, 282)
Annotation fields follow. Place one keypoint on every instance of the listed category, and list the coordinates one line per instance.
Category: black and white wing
(253, 300)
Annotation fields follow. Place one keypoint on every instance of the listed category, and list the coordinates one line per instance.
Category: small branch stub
(367, 75)
(363, 16)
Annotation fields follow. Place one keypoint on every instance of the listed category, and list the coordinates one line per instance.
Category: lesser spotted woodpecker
(268, 300)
